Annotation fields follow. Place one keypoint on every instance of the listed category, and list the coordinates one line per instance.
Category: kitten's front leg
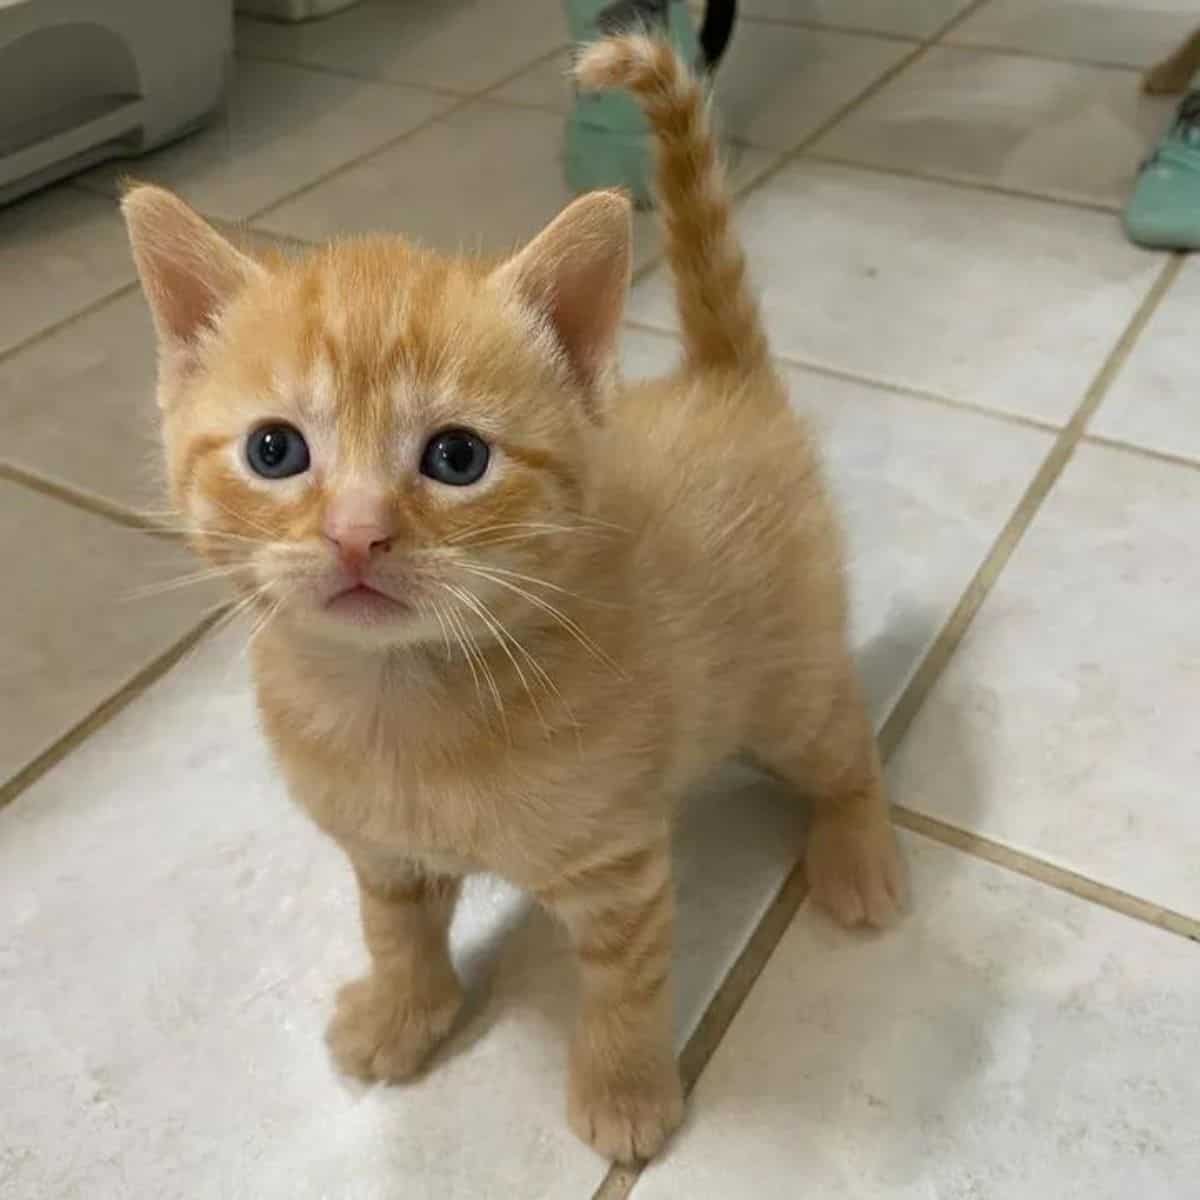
(388, 1023)
(624, 1096)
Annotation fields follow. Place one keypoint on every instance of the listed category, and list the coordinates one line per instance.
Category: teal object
(607, 136)
(1164, 210)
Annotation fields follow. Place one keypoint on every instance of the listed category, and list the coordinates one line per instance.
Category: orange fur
(646, 581)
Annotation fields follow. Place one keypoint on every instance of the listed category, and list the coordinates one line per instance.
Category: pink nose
(358, 524)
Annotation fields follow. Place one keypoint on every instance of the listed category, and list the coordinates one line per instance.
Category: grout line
(883, 385)
(463, 99)
(356, 76)
(1161, 456)
(1041, 871)
(303, 190)
(63, 322)
(104, 712)
(812, 25)
(723, 1007)
(952, 633)
(731, 994)
(787, 157)
(961, 182)
(80, 498)
(1047, 57)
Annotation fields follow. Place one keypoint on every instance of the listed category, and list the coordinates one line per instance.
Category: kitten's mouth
(361, 602)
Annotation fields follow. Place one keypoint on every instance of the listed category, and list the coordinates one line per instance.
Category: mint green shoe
(1164, 210)
(608, 142)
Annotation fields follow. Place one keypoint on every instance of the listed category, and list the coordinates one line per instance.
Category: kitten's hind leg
(851, 858)
(388, 1023)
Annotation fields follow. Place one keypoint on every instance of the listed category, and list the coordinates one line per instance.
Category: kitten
(513, 609)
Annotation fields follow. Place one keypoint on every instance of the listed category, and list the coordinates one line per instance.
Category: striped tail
(719, 316)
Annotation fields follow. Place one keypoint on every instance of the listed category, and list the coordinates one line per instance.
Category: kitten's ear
(189, 272)
(576, 273)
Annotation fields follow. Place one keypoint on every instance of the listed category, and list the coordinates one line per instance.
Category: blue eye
(455, 457)
(277, 450)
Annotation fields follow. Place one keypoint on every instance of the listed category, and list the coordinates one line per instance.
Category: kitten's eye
(455, 457)
(276, 451)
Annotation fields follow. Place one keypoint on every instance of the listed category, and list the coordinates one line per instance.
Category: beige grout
(955, 629)
(1047, 57)
(908, 391)
(1047, 873)
(104, 712)
(356, 76)
(53, 328)
(81, 498)
(961, 182)
(1160, 456)
(463, 100)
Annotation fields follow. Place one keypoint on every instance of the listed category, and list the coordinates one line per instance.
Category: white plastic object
(86, 80)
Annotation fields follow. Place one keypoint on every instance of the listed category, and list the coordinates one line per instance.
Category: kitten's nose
(359, 525)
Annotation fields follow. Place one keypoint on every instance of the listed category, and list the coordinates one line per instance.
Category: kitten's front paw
(625, 1117)
(854, 870)
(382, 1031)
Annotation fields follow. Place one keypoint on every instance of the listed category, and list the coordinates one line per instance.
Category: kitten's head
(374, 439)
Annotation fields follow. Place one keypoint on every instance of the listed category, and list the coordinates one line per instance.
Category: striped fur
(717, 312)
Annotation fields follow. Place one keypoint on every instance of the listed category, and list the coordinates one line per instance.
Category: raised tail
(719, 316)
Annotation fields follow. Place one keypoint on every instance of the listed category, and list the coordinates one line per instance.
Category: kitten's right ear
(189, 272)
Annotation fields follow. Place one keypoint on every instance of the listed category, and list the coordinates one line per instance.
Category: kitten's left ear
(189, 272)
(576, 274)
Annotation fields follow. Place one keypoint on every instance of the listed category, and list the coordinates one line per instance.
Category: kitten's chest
(399, 778)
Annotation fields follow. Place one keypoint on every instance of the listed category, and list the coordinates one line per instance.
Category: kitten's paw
(380, 1031)
(855, 871)
(625, 1118)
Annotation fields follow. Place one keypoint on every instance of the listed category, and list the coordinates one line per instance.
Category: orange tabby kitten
(512, 608)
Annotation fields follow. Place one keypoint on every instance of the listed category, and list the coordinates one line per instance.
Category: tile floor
(1004, 387)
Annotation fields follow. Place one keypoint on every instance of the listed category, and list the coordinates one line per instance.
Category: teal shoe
(1164, 210)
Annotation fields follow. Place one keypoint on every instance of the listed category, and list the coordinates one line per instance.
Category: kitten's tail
(719, 316)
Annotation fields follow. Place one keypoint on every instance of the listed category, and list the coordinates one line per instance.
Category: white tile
(463, 45)
(1131, 33)
(1007, 1042)
(1048, 128)
(910, 18)
(923, 492)
(78, 405)
(1152, 401)
(73, 625)
(218, 923)
(1065, 725)
(546, 84)
(1001, 301)
(60, 250)
(428, 188)
(777, 84)
(284, 127)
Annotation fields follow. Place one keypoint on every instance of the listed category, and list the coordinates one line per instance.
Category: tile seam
(619, 1182)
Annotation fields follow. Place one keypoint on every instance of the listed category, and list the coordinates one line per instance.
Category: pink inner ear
(189, 272)
(576, 272)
